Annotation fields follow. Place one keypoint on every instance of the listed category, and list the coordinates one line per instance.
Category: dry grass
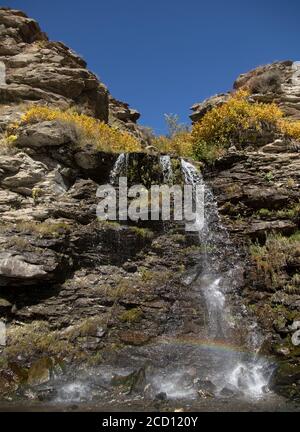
(7, 141)
(272, 259)
(33, 339)
(53, 229)
(131, 316)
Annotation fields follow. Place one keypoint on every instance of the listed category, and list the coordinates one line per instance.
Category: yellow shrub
(90, 130)
(291, 128)
(227, 124)
(179, 144)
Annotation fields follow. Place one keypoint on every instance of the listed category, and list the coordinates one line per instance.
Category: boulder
(40, 372)
(135, 382)
(285, 380)
(26, 173)
(15, 266)
(200, 109)
(46, 133)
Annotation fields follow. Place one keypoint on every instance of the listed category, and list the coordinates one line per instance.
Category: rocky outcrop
(200, 109)
(81, 289)
(37, 70)
(278, 82)
(125, 118)
(34, 70)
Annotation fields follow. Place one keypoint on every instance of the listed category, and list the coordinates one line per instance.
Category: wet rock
(204, 394)
(296, 338)
(295, 325)
(135, 382)
(283, 351)
(206, 387)
(162, 396)
(20, 372)
(8, 383)
(40, 372)
(94, 164)
(228, 392)
(30, 395)
(285, 380)
(134, 337)
(47, 394)
(4, 304)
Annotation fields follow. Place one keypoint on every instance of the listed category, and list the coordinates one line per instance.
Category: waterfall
(119, 168)
(246, 373)
(208, 347)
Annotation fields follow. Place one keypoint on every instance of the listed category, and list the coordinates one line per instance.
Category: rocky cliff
(38, 71)
(75, 292)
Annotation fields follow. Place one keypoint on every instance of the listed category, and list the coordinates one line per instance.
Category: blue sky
(162, 56)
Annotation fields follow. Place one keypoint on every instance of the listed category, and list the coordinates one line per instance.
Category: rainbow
(212, 344)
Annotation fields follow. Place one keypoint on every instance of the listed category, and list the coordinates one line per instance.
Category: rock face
(277, 82)
(123, 117)
(76, 290)
(72, 288)
(36, 70)
(200, 109)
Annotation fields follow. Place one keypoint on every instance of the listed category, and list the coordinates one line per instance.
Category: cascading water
(246, 373)
(119, 168)
(217, 361)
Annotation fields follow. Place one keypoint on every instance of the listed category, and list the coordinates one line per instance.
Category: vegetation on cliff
(237, 122)
(275, 262)
(88, 129)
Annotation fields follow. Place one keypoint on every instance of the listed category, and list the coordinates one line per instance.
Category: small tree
(174, 126)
